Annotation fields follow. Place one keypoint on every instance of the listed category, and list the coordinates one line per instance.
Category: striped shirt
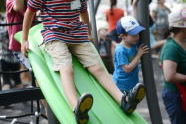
(61, 21)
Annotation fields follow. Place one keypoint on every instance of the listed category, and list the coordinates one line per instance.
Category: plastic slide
(105, 110)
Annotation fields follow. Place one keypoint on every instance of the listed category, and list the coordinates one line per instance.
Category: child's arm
(26, 26)
(18, 5)
(158, 44)
(142, 50)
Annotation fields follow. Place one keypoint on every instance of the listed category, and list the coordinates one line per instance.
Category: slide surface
(105, 110)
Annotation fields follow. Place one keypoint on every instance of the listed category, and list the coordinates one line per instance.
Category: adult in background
(173, 60)
(160, 16)
(112, 16)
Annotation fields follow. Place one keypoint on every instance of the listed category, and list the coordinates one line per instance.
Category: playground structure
(6, 96)
(13, 96)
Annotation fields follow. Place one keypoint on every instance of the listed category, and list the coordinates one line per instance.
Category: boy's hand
(143, 49)
(25, 48)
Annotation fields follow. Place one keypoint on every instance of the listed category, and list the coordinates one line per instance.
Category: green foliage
(2, 5)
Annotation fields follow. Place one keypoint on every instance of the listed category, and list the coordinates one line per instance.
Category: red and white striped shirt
(60, 21)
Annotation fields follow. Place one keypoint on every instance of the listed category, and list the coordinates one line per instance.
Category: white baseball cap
(178, 18)
(129, 25)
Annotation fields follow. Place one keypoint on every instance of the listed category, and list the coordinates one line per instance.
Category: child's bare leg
(106, 81)
(80, 106)
(67, 78)
(25, 76)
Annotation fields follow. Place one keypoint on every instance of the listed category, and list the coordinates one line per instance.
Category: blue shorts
(173, 106)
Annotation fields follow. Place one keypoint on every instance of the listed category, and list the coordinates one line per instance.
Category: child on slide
(63, 35)
(126, 59)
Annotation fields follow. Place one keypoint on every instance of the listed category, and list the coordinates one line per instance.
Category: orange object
(113, 16)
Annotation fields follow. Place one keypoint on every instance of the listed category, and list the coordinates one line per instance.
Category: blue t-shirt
(123, 56)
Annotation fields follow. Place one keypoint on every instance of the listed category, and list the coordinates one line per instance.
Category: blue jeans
(173, 106)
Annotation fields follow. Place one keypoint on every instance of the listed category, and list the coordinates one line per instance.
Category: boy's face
(131, 39)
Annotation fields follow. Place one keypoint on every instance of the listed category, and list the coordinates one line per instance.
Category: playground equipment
(32, 94)
(147, 70)
(105, 109)
(38, 60)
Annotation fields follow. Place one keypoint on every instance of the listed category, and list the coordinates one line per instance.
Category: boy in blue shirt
(126, 59)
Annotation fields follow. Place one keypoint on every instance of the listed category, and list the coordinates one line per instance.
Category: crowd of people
(118, 46)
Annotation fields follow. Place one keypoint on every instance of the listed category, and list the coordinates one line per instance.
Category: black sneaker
(84, 104)
(134, 97)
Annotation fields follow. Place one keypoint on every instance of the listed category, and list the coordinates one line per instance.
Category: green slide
(105, 110)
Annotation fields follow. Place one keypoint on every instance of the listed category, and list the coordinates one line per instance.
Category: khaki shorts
(61, 53)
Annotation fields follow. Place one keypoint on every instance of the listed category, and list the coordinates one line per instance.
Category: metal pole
(97, 5)
(93, 22)
(147, 69)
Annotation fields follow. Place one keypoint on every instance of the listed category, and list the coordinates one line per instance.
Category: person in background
(105, 45)
(160, 16)
(8, 61)
(15, 10)
(112, 16)
(173, 62)
(151, 22)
